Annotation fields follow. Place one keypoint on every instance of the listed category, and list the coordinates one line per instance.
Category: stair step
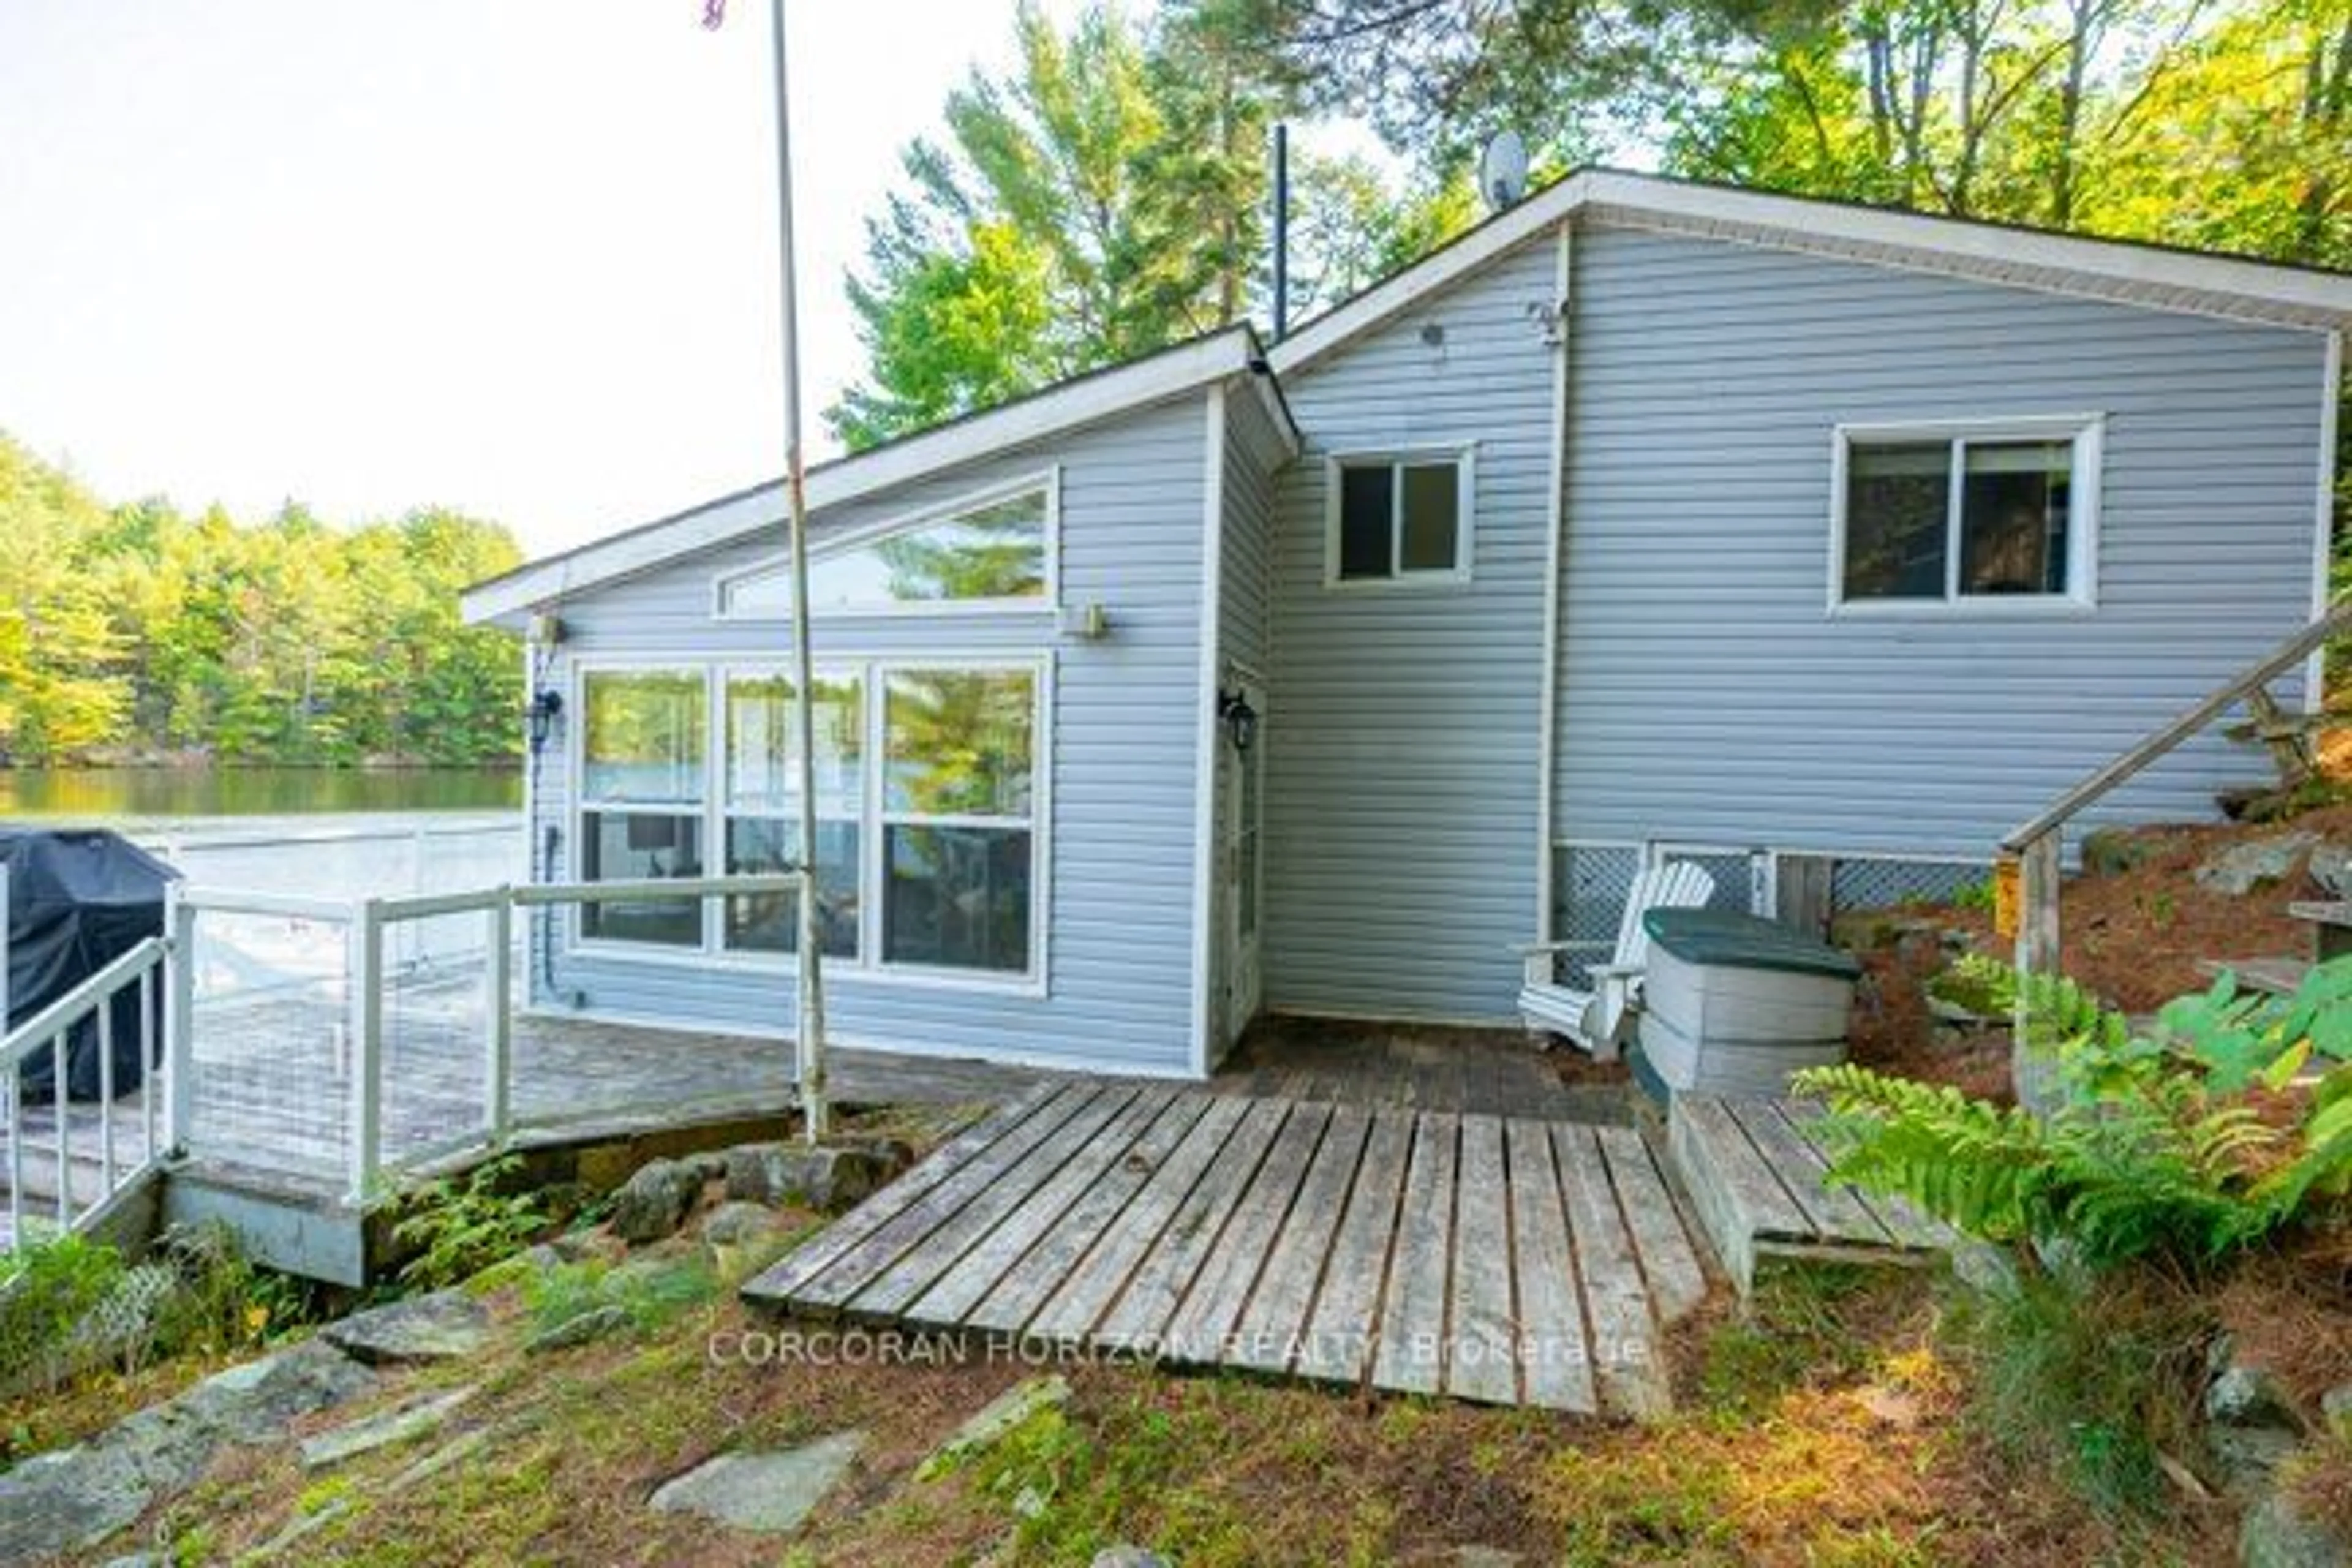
(2279, 976)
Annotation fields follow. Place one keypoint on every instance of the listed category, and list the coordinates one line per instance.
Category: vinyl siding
(1246, 599)
(1400, 766)
(1706, 693)
(1118, 943)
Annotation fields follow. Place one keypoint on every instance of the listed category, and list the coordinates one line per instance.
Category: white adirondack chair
(1596, 1016)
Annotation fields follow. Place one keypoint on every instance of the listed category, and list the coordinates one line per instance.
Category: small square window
(2000, 511)
(1399, 518)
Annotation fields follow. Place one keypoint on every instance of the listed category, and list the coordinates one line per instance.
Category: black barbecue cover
(77, 901)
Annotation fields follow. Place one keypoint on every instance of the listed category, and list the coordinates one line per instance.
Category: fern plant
(465, 1225)
(2153, 1146)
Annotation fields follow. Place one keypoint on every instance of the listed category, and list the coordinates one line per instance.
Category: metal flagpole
(810, 1035)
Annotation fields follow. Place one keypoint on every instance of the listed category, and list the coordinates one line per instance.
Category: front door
(1241, 799)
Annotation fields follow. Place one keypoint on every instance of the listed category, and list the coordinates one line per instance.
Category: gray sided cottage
(1647, 515)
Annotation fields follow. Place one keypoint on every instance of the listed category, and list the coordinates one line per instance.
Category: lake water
(319, 832)
(117, 796)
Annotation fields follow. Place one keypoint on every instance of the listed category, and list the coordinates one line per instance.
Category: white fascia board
(505, 600)
(1383, 301)
(2140, 275)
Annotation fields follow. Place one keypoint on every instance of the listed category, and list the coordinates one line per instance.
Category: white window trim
(1465, 461)
(713, 954)
(2087, 432)
(1049, 479)
(577, 804)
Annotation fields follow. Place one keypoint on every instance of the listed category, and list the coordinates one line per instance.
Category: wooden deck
(1505, 1259)
(1756, 1174)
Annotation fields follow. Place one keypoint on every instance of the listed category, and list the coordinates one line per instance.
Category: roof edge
(1050, 411)
(2149, 277)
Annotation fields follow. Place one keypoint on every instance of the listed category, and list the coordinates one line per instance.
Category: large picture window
(993, 549)
(643, 780)
(762, 807)
(958, 817)
(1968, 514)
(928, 807)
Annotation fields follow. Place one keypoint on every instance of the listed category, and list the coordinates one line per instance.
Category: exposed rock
(253, 1402)
(2330, 867)
(994, 1419)
(654, 1203)
(365, 1436)
(2278, 1534)
(823, 1177)
(443, 1326)
(2112, 851)
(1485, 1557)
(1126, 1556)
(2249, 1457)
(78, 1496)
(736, 1222)
(595, 1323)
(2246, 1395)
(2251, 1426)
(2335, 1405)
(2243, 866)
(589, 1247)
(767, 1494)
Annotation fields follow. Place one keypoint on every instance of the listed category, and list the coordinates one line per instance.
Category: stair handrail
(50, 1030)
(2337, 622)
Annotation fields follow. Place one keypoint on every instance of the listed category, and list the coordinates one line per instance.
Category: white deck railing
(50, 1033)
(270, 1044)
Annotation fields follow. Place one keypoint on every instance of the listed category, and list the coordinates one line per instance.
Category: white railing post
(499, 1043)
(179, 1015)
(106, 1095)
(364, 974)
(57, 1067)
(148, 1064)
(14, 1089)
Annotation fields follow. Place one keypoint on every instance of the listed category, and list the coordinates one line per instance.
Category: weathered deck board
(951, 1298)
(1016, 1298)
(1096, 1283)
(1142, 1314)
(1222, 1286)
(1345, 1315)
(1756, 1177)
(822, 1252)
(1410, 1353)
(1670, 1264)
(1508, 1261)
(1836, 1213)
(1268, 1336)
(1626, 1358)
(1907, 1225)
(900, 1234)
(1483, 1363)
(891, 1292)
(1558, 1368)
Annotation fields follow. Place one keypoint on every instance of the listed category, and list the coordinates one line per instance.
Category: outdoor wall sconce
(1241, 718)
(540, 713)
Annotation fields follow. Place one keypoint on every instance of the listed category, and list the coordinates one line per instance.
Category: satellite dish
(1503, 170)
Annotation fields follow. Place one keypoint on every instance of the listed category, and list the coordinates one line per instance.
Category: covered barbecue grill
(77, 901)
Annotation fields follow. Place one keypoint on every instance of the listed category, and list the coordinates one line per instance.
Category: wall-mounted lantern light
(540, 712)
(1241, 718)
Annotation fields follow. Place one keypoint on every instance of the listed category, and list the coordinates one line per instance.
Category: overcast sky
(512, 256)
